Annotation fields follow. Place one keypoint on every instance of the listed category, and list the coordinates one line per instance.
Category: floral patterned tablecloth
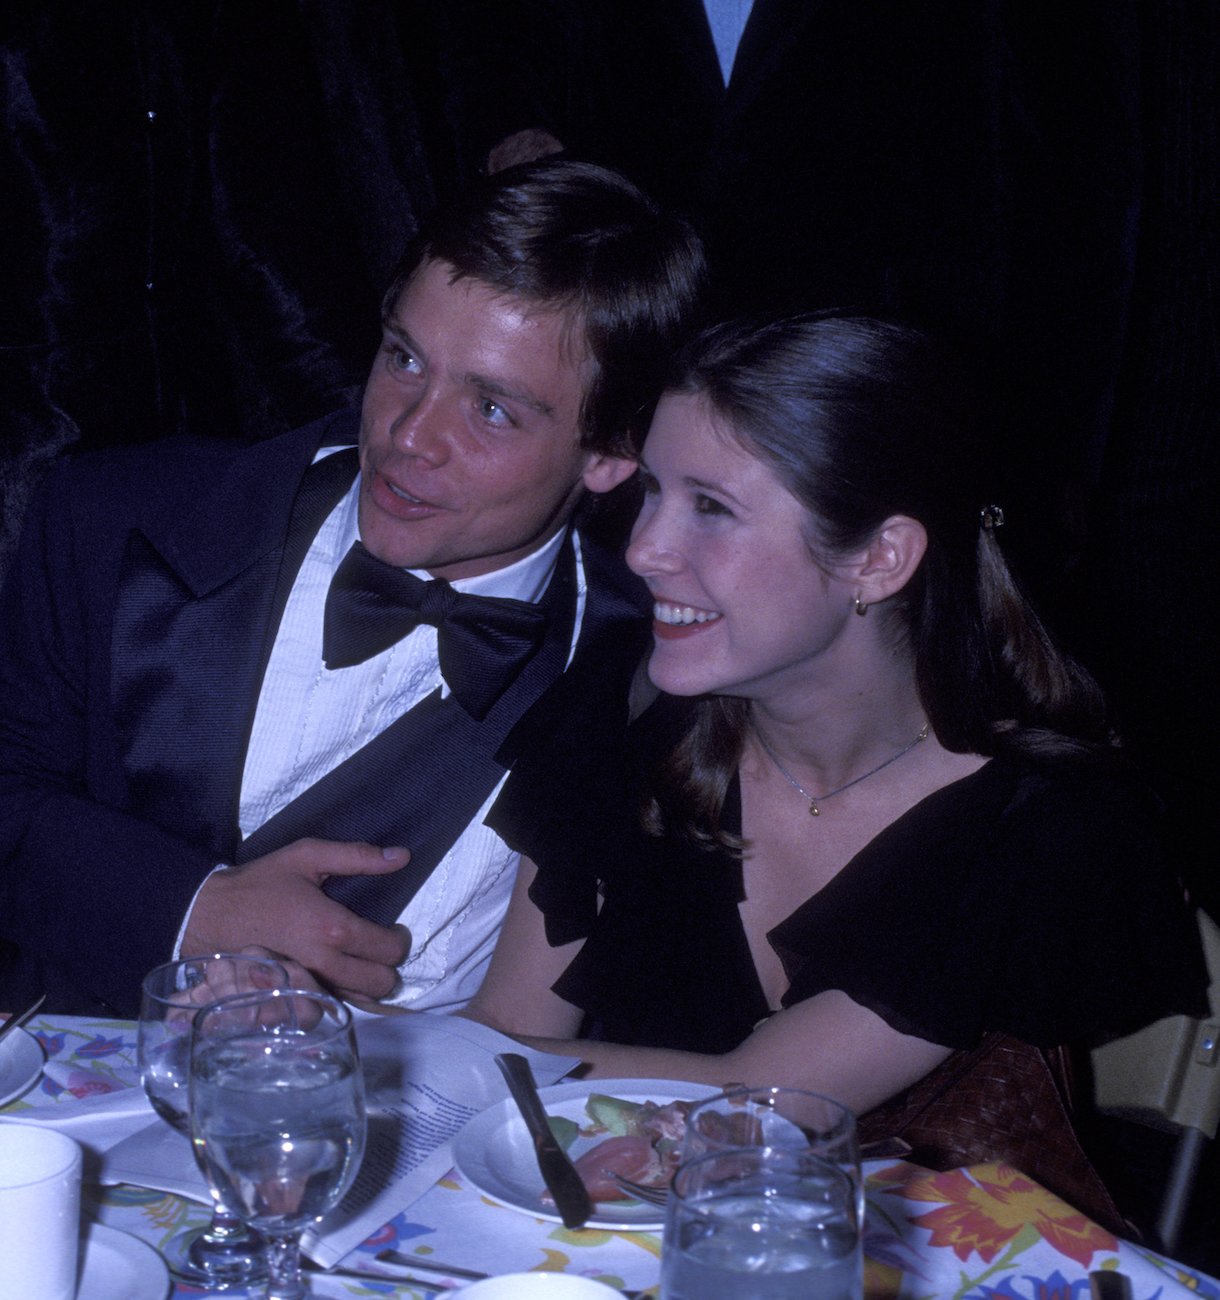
(983, 1233)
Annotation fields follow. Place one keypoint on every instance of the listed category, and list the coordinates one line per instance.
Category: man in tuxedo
(269, 695)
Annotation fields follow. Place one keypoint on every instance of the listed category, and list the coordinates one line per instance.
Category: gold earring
(861, 607)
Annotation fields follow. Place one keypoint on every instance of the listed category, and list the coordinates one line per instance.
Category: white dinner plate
(20, 1064)
(117, 1266)
(494, 1152)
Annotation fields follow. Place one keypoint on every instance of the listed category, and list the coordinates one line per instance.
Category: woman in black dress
(875, 816)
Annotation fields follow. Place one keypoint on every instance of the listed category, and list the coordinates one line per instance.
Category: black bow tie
(483, 641)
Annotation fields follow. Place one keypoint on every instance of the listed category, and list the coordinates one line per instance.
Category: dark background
(201, 204)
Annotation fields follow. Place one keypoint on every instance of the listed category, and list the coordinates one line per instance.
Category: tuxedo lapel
(689, 47)
(615, 633)
(196, 606)
(774, 28)
(184, 679)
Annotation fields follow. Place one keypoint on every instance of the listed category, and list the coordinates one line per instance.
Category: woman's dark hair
(862, 419)
(582, 239)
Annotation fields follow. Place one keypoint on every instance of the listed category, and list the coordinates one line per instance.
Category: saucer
(117, 1266)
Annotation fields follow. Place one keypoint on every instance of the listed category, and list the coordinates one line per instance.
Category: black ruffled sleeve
(571, 805)
(665, 962)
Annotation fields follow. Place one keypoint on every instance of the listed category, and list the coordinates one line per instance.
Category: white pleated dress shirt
(310, 719)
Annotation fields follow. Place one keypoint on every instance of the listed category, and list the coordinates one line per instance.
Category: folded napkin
(156, 1155)
(124, 1139)
(97, 1120)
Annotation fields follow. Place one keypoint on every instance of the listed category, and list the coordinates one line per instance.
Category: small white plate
(117, 1266)
(20, 1064)
(495, 1155)
(539, 1286)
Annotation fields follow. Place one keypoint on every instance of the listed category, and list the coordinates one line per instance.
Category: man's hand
(277, 901)
(522, 146)
(297, 977)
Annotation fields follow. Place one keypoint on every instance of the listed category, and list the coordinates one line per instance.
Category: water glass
(225, 1254)
(277, 1115)
(771, 1223)
(776, 1117)
(771, 1117)
(171, 996)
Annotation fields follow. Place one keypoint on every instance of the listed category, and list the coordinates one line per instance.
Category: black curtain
(202, 204)
(202, 201)
(1152, 588)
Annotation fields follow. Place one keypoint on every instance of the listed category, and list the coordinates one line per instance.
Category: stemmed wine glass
(226, 1253)
(277, 1115)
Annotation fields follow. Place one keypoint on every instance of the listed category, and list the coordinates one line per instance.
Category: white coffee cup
(539, 1286)
(39, 1212)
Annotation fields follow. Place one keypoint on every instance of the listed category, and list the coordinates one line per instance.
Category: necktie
(483, 642)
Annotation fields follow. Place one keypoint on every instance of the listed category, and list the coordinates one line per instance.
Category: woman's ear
(890, 560)
(603, 472)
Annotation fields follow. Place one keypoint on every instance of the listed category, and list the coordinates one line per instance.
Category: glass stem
(284, 1280)
(223, 1228)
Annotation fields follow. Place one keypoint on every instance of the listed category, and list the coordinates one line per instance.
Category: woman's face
(741, 607)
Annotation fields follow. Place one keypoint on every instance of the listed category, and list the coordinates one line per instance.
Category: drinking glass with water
(278, 1115)
(792, 1118)
(766, 1222)
(226, 1253)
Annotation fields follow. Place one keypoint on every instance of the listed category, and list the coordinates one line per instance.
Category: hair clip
(991, 518)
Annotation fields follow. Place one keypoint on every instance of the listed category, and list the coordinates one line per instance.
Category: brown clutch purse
(1004, 1101)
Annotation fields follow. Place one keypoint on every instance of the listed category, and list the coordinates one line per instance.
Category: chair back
(1167, 1075)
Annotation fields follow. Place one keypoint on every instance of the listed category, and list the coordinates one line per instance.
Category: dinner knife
(558, 1172)
(21, 1016)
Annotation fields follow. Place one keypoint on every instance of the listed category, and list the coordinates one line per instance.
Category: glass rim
(845, 1117)
(179, 963)
(773, 1155)
(343, 1020)
(774, 1089)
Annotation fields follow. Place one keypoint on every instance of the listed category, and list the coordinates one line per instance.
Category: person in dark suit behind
(227, 714)
(970, 169)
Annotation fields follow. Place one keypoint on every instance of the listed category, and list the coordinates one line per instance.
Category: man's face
(470, 451)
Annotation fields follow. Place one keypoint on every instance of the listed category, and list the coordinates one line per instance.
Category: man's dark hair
(578, 238)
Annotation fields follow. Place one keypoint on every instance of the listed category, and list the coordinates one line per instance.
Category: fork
(640, 1191)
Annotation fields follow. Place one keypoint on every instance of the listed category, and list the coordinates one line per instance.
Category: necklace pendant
(814, 810)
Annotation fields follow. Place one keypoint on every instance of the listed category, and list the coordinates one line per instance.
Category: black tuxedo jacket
(136, 623)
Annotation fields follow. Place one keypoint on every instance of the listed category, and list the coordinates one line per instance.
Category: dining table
(974, 1233)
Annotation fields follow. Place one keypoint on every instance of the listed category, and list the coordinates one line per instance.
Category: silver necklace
(815, 799)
